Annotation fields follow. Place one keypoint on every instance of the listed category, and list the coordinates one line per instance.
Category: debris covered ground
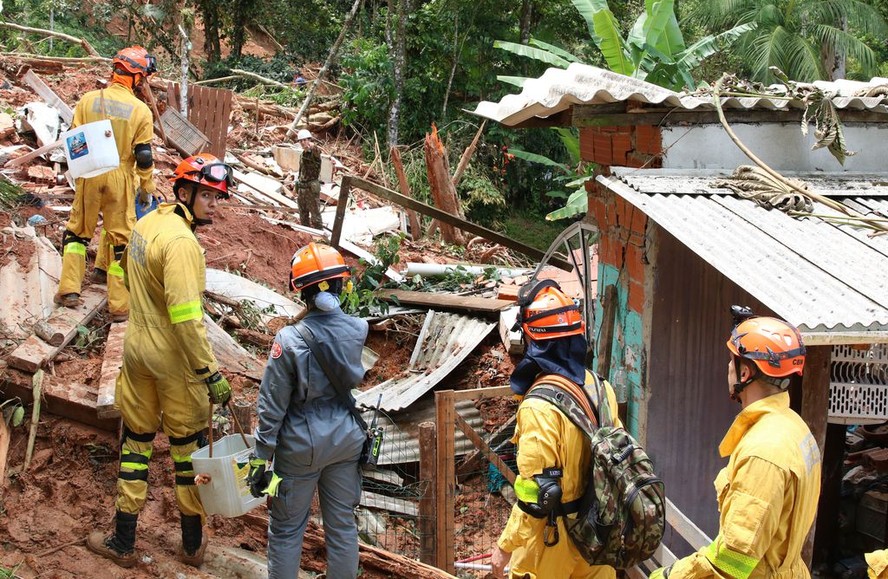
(68, 488)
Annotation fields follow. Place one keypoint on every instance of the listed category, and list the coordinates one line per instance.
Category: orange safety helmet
(315, 263)
(773, 345)
(136, 61)
(547, 313)
(205, 169)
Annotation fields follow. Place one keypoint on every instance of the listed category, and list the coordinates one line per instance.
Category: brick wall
(622, 242)
(630, 146)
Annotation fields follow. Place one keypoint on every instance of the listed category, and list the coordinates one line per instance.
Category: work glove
(661, 573)
(218, 388)
(260, 480)
(143, 196)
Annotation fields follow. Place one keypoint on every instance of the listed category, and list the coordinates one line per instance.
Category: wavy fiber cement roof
(580, 84)
(823, 277)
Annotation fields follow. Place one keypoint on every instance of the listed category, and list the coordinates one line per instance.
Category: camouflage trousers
(309, 197)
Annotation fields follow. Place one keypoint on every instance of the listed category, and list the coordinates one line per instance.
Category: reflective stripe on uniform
(183, 312)
(75, 248)
(184, 469)
(135, 460)
(736, 564)
(527, 491)
(115, 269)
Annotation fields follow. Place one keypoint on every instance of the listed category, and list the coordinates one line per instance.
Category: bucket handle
(236, 422)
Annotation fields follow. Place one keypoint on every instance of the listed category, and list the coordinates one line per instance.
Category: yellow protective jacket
(547, 438)
(878, 564)
(767, 497)
(166, 275)
(131, 120)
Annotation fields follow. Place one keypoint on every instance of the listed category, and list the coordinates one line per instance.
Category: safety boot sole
(97, 542)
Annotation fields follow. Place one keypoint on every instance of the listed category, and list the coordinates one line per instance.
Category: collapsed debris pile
(68, 359)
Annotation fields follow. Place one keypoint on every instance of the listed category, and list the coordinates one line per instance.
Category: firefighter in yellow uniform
(877, 562)
(168, 364)
(556, 344)
(767, 495)
(111, 193)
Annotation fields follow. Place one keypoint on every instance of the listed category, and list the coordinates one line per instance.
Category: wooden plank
(52, 99)
(606, 335)
(685, 527)
(33, 154)
(445, 481)
(512, 340)
(427, 513)
(61, 397)
(472, 462)
(33, 353)
(389, 504)
(243, 177)
(232, 357)
(344, 193)
(815, 412)
(482, 393)
(436, 213)
(110, 369)
(439, 300)
(485, 449)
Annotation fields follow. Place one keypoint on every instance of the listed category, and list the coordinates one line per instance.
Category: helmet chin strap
(190, 206)
(741, 384)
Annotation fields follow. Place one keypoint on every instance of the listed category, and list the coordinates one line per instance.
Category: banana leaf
(530, 52)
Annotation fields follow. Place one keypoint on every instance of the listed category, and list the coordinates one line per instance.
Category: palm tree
(807, 39)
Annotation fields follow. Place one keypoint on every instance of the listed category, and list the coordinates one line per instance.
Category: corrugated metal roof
(444, 341)
(580, 84)
(828, 279)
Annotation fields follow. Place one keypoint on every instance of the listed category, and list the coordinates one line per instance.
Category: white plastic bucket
(227, 493)
(91, 149)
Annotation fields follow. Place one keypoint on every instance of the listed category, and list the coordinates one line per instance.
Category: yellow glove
(661, 573)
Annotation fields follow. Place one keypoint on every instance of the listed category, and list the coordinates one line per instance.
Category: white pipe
(442, 269)
(477, 567)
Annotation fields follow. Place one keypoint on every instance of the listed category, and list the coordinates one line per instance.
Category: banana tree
(653, 50)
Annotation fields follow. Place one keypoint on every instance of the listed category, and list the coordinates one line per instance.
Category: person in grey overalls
(306, 428)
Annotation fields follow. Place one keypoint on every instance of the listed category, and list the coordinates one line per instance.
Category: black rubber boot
(120, 546)
(194, 543)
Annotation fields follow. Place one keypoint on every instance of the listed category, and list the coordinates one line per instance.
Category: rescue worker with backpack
(307, 421)
(169, 368)
(768, 493)
(112, 193)
(553, 453)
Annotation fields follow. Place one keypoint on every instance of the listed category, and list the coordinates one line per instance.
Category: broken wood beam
(471, 464)
(33, 154)
(412, 217)
(427, 461)
(442, 300)
(33, 353)
(395, 197)
(467, 155)
(52, 99)
(485, 449)
(62, 397)
(105, 404)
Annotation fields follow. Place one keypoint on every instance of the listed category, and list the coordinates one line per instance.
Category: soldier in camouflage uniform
(309, 186)
(552, 451)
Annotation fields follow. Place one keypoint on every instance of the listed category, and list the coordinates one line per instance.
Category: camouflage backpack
(622, 512)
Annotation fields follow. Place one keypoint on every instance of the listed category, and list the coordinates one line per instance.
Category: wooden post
(605, 341)
(427, 462)
(445, 488)
(815, 411)
(243, 412)
(341, 205)
(415, 227)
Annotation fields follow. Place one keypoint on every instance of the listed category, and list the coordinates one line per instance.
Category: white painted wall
(782, 146)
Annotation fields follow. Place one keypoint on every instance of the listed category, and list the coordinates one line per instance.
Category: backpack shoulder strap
(569, 398)
(605, 412)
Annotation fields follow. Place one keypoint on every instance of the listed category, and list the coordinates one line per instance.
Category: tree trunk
(526, 16)
(212, 25)
(399, 63)
(443, 191)
(833, 58)
(183, 80)
(331, 58)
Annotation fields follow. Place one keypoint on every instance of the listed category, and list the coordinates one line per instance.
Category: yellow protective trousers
(156, 388)
(111, 193)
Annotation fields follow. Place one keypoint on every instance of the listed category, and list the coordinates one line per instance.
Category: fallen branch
(72, 60)
(257, 78)
(71, 543)
(467, 155)
(86, 45)
(37, 385)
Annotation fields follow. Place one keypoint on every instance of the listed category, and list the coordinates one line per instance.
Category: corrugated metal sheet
(400, 439)
(827, 279)
(580, 84)
(444, 341)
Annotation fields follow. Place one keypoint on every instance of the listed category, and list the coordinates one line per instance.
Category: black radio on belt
(373, 445)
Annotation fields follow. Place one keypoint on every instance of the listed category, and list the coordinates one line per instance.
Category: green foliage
(279, 68)
(9, 573)
(250, 314)
(13, 411)
(793, 35)
(67, 18)
(482, 201)
(532, 229)
(363, 300)
(367, 85)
